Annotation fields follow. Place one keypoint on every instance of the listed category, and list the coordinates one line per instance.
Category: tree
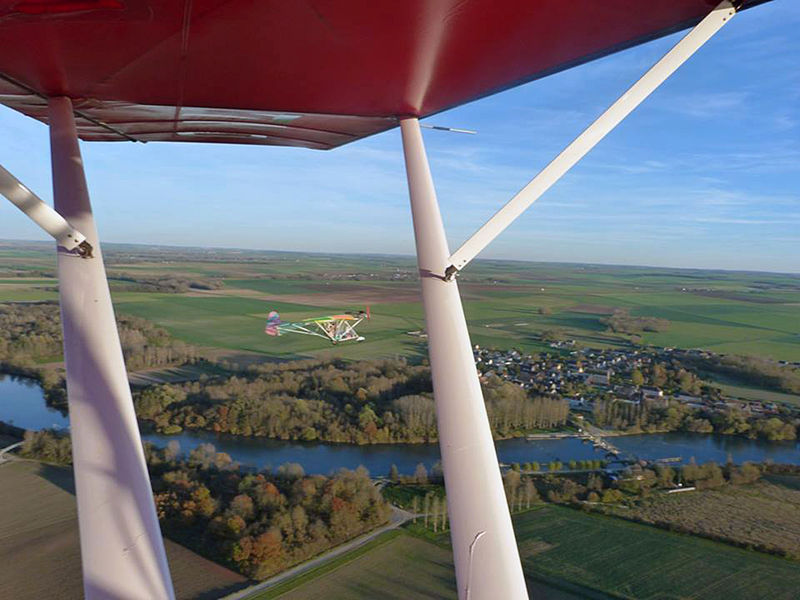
(688, 382)
(709, 476)
(235, 525)
(774, 429)
(367, 421)
(750, 472)
(512, 482)
(421, 474)
(659, 375)
(268, 554)
(637, 378)
(594, 482)
(552, 335)
(172, 451)
(394, 474)
(665, 476)
(242, 505)
(261, 522)
(531, 495)
(436, 474)
(291, 470)
(698, 425)
(203, 456)
(612, 496)
(299, 522)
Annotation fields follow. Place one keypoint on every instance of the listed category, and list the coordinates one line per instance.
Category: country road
(8, 449)
(399, 516)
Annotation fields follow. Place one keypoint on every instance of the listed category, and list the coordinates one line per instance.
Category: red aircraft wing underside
(308, 73)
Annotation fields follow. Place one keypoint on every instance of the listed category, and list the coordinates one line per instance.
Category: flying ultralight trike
(336, 328)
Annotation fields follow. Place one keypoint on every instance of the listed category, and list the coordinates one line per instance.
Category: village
(583, 376)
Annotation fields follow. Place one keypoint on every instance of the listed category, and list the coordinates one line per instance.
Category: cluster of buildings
(585, 376)
(556, 374)
(397, 275)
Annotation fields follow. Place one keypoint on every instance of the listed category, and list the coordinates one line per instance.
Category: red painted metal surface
(310, 73)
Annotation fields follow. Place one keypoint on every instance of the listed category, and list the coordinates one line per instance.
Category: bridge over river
(595, 436)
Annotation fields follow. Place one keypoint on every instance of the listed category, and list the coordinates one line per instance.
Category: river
(23, 405)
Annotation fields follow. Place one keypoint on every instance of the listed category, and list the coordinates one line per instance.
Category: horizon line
(413, 257)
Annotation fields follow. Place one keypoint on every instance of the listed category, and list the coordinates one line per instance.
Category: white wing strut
(587, 140)
(122, 550)
(484, 548)
(43, 215)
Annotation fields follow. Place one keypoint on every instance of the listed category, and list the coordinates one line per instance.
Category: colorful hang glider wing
(315, 74)
(273, 324)
(335, 328)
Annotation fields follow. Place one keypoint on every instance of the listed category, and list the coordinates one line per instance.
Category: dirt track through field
(358, 297)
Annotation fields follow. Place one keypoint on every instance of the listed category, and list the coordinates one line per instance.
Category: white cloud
(702, 105)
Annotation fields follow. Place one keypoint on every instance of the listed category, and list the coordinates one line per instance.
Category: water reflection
(22, 403)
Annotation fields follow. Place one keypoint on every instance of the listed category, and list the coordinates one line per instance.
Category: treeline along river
(22, 404)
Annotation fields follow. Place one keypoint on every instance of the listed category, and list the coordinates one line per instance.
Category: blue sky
(706, 173)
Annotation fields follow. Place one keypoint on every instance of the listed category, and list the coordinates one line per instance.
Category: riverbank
(542, 548)
(22, 403)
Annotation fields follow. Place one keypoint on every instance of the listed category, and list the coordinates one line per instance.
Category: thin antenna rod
(452, 129)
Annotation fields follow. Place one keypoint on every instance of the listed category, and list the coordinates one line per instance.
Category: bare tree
(421, 474)
(531, 495)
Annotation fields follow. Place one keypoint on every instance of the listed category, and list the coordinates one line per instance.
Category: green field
(763, 515)
(400, 567)
(507, 303)
(381, 572)
(753, 393)
(566, 554)
(636, 561)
